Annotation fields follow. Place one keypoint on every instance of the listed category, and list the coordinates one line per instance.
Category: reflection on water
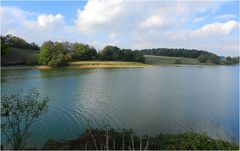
(150, 100)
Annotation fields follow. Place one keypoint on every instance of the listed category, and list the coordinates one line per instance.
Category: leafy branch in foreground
(18, 113)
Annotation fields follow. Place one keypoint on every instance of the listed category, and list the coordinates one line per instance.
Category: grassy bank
(126, 139)
(163, 60)
(85, 64)
(17, 56)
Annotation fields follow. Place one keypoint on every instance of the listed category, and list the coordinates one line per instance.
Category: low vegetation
(93, 139)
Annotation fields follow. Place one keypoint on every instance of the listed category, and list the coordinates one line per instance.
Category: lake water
(151, 100)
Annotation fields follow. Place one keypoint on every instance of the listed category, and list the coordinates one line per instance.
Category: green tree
(110, 53)
(202, 58)
(235, 59)
(46, 52)
(4, 47)
(81, 51)
(52, 54)
(18, 113)
(138, 56)
(214, 59)
(17, 42)
(127, 54)
(229, 58)
(92, 53)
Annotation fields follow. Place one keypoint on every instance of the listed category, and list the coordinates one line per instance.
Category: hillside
(16, 56)
(163, 60)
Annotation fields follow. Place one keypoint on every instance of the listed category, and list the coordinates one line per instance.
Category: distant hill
(16, 56)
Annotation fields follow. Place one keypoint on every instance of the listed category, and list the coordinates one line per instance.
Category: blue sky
(207, 25)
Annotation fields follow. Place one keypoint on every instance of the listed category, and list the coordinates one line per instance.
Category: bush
(202, 58)
(214, 59)
(128, 140)
(18, 113)
(228, 62)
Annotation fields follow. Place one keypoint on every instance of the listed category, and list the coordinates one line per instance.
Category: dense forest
(175, 52)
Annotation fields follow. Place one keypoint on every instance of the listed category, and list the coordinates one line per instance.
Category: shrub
(18, 113)
(214, 59)
(202, 58)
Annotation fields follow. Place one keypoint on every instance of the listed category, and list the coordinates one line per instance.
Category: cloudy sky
(207, 25)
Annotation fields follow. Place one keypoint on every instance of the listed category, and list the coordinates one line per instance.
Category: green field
(18, 56)
(163, 60)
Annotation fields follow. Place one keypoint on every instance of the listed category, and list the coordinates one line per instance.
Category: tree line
(175, 52)
(17, 42)
(217, 60)
(60, 53)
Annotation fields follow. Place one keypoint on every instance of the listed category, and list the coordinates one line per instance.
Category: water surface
(150, 100)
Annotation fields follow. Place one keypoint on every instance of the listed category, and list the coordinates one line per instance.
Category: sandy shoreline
(74, 66)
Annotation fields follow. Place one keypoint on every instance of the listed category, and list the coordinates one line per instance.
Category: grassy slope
(163, 60)
(20, 56)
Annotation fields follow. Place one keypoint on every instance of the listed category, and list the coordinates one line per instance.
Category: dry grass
(105, 64)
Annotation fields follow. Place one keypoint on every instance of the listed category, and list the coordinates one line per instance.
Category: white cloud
(218, 38)
(198, 19)
(98, 14)
(217, 28)
(50, 20)
(226, 17)
(130, 24)
(159, 21)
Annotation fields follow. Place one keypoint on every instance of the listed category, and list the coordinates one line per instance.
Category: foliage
(236, 59)
(231, 60)
(52, 54)
(93, 139)
(214, 59)
(4, 47)
(177, 61)
(127, 54)
(228, 62)
(110, 53)
(202, 58)
(17, 42)
(46, 52)
(115, 53)
(83, 52)
(18, 113)
(138, 56)
(173, 52)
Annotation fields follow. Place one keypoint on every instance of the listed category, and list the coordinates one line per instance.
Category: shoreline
(82, 65)
(45, 67)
